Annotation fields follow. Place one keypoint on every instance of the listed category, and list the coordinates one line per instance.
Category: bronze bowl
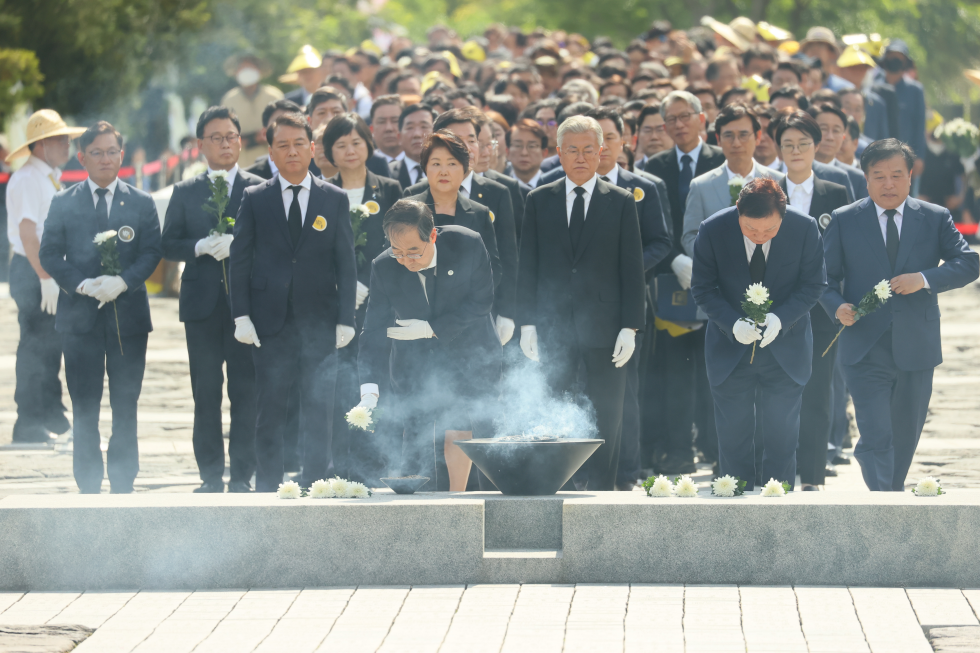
(530, 466)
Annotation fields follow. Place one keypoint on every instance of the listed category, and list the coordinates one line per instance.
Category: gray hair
(580, 87)
(680, 96)
(579, 125)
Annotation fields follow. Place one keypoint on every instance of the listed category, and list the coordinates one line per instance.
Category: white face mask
(248, 76)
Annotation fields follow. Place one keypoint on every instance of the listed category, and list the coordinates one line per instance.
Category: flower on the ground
(660, 487)
(103, 236)
(773, 489)
(928, 487)
(685, 487)
(883, 290)
(359, 417)
(321, 490)
(757, 294)
(357, 490)
(339, 486)
(290, 490)
(724, 486)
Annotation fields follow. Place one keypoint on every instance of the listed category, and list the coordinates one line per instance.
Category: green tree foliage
(20, 80)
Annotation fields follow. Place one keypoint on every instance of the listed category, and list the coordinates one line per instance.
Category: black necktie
(577, 221)
(295, 218)
(605, 179)
(430, 285)
(684, 181)
(102, 210)
(891, 243)
(757, 266)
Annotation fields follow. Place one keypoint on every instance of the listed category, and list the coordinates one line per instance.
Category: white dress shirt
(229, 177)
(355, 196)
(464, 188)
(800, 195)
(750, 248)
(415, 174)
(570, 187)
(534, 181)
(732, 175)
(694, 154)
(92, 186)
(431, 265)
(304, 195)
(883, 223)
(612, 175)
(29, 195)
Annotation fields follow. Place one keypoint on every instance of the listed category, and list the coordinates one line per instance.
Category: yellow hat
(789, 47)
(870, 43)
(431, 78)
(772, 33)
(855, 56)
(933, 120)
(473, 51)
(308, 57)
(370, 46)
(453, 64)
(44, 124)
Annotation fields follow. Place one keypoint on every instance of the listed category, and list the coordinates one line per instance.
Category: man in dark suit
(414, 126)
(263, 166)
(205, 307)
(889, 355)
(758, 241)
(430, 333)
(580, 286)
(293, 285)
(104, 319)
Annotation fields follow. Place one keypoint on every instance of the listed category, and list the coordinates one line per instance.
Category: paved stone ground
(506, 618)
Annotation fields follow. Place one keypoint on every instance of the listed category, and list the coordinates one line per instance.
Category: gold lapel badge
(638, 194)
(372, 207)
(320, 223)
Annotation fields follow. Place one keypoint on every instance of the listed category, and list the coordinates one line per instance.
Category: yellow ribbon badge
(491, 217)
(372, 207)
(320, 223)
(638, 194)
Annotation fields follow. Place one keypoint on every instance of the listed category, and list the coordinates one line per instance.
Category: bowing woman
(446, 162)
(347, 145)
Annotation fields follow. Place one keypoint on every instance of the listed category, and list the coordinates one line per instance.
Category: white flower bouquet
(728, 486)
(756, 306)
(928, 487)
(216, 205)
(871, 302)
(658, 486)
(959, 136)
(106, 242)
(775, 489)
(735, 185)
(334, 488)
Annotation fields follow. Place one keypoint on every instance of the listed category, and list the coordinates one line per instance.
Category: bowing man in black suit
(797, 135)
(104, 320)
(347, 144)
(580, 286)
(414, 126)
(293, 287)
(429, 332)
(205, 307)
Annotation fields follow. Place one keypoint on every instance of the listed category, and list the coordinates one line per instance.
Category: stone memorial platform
(182, 541)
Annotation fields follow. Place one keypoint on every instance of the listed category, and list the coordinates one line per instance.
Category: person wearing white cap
(29, 195)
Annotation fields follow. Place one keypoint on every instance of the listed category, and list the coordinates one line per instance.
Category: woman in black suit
(348, 145)
(797, 136)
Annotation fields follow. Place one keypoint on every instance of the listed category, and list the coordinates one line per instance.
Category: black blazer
(378, 164)
(466, 349)
(475, 217)
(400, 172)
(261, 168)
(497, 198)
(517, 195)
(264, 264)
(664, 165)
(202, 283)
(589, 295)
(69, 255)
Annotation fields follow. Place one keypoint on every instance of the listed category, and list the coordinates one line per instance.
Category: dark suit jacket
(795, 276)
(466, 348)
(664, 165)
(549, 163)
(399, 171)
(833, 174)
(859, 184)
(857, 260)
(378, 164)
(261, 168)
(296, 95)
(517, 195)
(321, 268)
(588, 295)
(495, 197)
(202, 283)
(69, 255)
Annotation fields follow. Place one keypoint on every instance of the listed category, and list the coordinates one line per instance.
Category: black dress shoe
(676, 465)
(35, 434)
(841, 460)
(811, 488)
(239, 486)
(210, 487)
(57, 423)
(830, 470)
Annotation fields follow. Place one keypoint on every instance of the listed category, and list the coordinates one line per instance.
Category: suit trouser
(891, 407)
(760, 387)
(816, 414)
(306, 355)
(630, 465)
(672, 398)
(38, 389)
(210, 345)
(605, 387)
(704, 405)
(88, 358)
(839, 423)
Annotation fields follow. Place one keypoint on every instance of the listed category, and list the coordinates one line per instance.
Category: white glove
(222, 246)
(625, 344)
(773, 325)
(245, 331)
(529, 342)
(345, 334)
(683, 267)
(505, 329)
(89, 286)
(361, 295)
(410, 330)
(109, 289)
(369, 401)
(746, 332)
(205, 246)
(49, 295)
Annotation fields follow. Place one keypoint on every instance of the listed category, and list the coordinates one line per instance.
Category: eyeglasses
(547, 123)
(574, 151)
(797, 147)
(413, 257)
(217, 139)
(682, 117)
(529, 147)
(98, 154)
(731, 137)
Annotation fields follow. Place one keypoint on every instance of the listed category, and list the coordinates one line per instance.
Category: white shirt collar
(535, 180)
(306, 183)
(612, 175)
(900, 209)
(43, 166)
(231, 176)
(468, 183)
(732, 175)
(589, 186)
(807, 185)
(273, 167)
(111, 187)
(694, 154)
(400, 157)
(435, 255)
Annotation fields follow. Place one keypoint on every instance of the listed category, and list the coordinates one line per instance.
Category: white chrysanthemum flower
(662, 487)
(686, 487)
(773, 489)
(357, 490)
(361, 210)
(290, 490)
(724, 486)
(214, 174)
(339, 486)
(359, 417)
(927, 487)
(883, 289)
(757, 294)
(321, 490)
(737, 181)
(103, 236)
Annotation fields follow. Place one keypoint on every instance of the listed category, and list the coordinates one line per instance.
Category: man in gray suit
(737, 129)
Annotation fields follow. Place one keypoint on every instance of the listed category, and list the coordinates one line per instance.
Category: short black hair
(800, 120)
(325, 94)
(574, 109)
(292, 119)
(825, 107)
(505, 106)
(342, 125)
(825, 95)
(450, 141)
(393, 84)
(414, 108)
(853, 128)
(734, 112)
(279, 105)
(758, 51)
(730, 93)
(760, 198)
(384, 101)
(713, 70)
(608, 113)
(410, 214)
(792, 92)
(96, 130)
(216, 113)
(531, 126)
(457, 116)
(794, 67)
(649, 110)
(886, 148)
